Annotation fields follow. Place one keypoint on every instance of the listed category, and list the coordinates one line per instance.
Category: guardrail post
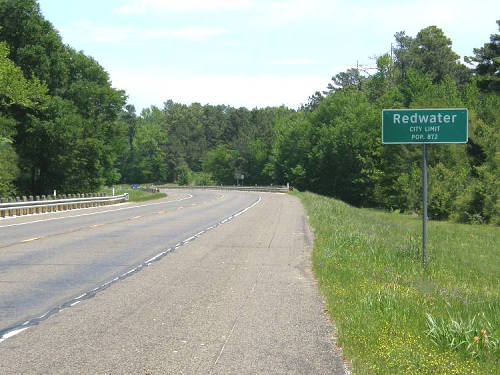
(44, 208)
(2, 212)
(52, 208)
(30, 199)
(25, 210)
(11, 213)
(18, 211)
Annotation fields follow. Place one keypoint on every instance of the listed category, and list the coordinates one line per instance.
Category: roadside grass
(135, 195)
(395, 316)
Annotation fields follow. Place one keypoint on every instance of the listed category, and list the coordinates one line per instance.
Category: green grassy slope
(393, 315)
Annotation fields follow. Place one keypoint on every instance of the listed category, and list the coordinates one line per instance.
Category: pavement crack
(231, 331)
(275, 230)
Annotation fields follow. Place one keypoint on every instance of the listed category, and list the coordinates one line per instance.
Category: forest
(63, 126)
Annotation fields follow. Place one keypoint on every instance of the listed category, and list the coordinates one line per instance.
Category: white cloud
(154, 87)
(412, 16)
(285, 12)
(299, 61)
(136, 7)
(86, 31)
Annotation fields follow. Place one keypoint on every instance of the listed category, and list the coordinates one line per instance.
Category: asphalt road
(236, 299)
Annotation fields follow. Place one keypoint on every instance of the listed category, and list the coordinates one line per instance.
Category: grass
(135, 195)
(395, 316)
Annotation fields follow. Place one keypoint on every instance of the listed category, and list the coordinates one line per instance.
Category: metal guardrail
(268, 189)
(35, 205)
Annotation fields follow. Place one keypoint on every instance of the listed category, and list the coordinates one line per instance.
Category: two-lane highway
(52, 261)
(238, 298)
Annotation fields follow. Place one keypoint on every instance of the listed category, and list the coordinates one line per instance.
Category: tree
(487, 59)
(221, 163)
(429, 53)
(35, 46)
(351, 78)
(82, 106)
(18, 92)
(313, 101)
(148, 154)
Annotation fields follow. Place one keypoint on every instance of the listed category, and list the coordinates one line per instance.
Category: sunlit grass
(135, 195)
(382, 299)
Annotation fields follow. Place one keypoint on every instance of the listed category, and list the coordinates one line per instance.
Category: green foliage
(8, 168)
(334, 148)
(291, 150)
(488, 64)
(221, 163)
(61, 103)
(134, 195)
(14, 88)
(203, 179)
(184, 175)
(471, 337)
(62, 126)
(148, 153)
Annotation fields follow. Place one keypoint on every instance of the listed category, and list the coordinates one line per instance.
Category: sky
(251, 53)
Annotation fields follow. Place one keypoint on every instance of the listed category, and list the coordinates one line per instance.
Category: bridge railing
(270, 189)
(41, 204)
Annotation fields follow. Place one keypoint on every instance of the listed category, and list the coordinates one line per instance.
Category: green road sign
(424, 126)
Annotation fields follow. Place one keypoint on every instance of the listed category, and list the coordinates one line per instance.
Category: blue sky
(251, 53)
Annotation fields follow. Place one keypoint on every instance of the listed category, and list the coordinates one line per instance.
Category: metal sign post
(425, 126)
(424, 209)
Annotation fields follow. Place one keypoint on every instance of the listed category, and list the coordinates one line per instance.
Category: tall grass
(395, 316)
(135, 195)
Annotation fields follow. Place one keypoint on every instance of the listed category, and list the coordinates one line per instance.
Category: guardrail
(268, 189)
(37, 205)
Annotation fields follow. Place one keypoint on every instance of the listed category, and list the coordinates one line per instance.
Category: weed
(470, 337)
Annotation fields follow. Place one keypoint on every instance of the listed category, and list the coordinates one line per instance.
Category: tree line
(64, 127)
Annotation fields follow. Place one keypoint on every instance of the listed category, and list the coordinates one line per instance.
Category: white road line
(95, 213)
(10, 334)
(31, 239)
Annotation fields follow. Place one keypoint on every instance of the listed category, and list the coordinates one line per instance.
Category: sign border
(426, 109)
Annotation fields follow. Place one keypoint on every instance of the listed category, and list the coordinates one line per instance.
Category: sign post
(424, 126)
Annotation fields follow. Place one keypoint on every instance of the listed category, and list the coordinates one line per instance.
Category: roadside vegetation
(64, 127)
(135, 195)
(395, 316)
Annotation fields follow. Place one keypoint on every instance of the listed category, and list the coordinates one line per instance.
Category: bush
(203, 179)
(184, 175)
